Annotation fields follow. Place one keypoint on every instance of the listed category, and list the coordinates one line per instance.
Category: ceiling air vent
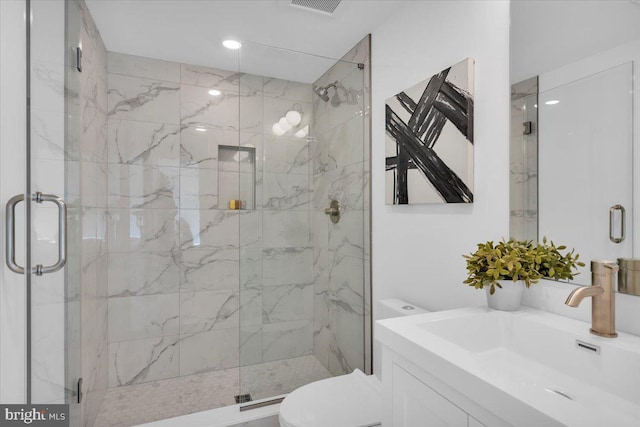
(323, 6)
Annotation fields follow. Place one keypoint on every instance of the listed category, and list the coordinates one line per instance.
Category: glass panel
(302, 277)
(55, 173)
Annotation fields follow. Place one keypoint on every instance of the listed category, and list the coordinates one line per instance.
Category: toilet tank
(386, 309)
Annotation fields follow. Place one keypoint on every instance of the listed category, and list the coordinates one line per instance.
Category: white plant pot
(508, 297)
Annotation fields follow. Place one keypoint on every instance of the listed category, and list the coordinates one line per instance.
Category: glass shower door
(302, 276)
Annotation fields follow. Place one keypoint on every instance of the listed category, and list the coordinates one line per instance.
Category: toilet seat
(352, 400)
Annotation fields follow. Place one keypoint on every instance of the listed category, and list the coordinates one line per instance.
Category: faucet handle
(604, 267)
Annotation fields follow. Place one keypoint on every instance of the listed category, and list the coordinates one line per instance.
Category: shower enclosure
(217, 222)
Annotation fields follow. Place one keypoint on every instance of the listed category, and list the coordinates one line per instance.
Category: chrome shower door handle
(10, 234)
(612, 211)
(10, 227)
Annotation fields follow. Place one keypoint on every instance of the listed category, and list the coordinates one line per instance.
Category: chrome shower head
(321, 92)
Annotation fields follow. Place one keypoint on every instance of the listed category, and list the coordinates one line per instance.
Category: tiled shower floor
(137, 404)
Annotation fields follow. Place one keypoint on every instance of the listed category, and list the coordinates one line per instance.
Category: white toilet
(352, 400)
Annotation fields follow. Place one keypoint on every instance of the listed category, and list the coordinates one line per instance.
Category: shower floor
(142, 403)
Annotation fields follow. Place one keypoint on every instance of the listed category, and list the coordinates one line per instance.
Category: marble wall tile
(140, 317)
(286, 229)
(209, 351)
(48, 138)
(251, 306)
(139, 361)
(345, 143)
(143, 273)
(251, 230)
(198, 188)
(143, 143)
(237, 185)
(143, 187)
(286, 155)
(139, 66)
(250, 344)
(47, 87)
(287, 89)
(285, 340)
(208, 311)
(346, 351)
(146, 230)
(346, 283)
(198, 108)
(209, 270)
(250, 267)
(135, 98)
(287, 266)
(286, 303)
(209, 229)
(347, 236)
(347, 185)
(199, 148)
(223, 80)
(286, 192)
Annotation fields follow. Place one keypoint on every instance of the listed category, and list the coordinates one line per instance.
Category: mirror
(574, 66)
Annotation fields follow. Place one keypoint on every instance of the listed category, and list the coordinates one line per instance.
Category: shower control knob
(333, 211)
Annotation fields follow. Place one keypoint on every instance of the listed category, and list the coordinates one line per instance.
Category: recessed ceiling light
(215, 92)
(231, 44)
(201, 129)
(552, 102)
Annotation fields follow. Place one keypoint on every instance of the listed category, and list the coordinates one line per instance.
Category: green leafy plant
(519, 260)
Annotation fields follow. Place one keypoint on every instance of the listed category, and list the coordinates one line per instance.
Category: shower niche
(236, 177)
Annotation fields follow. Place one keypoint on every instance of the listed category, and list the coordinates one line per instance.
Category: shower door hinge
(79, 59)
(79, 390)
(360, 66)
(527, 128)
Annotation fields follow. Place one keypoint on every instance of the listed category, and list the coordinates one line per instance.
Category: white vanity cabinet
(414, 403)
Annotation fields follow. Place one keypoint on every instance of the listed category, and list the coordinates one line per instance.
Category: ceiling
(192, 31)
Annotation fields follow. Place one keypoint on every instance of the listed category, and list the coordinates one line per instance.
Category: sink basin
(548, 362)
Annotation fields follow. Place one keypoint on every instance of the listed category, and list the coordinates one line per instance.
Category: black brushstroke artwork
(440, 102)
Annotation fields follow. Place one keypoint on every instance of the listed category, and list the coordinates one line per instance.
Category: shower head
(322, 92)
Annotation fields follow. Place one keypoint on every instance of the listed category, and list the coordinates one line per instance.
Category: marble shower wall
(176, 253)
(340, 161)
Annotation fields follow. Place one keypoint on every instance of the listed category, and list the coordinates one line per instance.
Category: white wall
(554, 33)
(417, 249)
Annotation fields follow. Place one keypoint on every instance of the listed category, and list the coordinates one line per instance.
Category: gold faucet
(603, 310)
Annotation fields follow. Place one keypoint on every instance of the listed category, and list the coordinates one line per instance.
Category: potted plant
(512, 265)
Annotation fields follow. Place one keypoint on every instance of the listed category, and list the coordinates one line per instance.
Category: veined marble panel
(286, 192)
(223, 80)
(251, 229)
(287, 266)
(286, 155)
(48, 139)
(148, 230)
(143, 187)
(345, 143)
(47, 87)
(198, 188)
(140, 317)
(250, 267)
(228, 111)
(286, 303)
(347, 236)
(139, 361)
(209, 229)
(346, 282)
(209, 270)
(251, 306)
(346, 349)
(135, 98)
(287, 89)
(143, 143)
(139, 66)
(208, 311)
(285, 340)
(209, 351)
(143, 273)
(250, 344)
(287, 229)
(347, 185)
